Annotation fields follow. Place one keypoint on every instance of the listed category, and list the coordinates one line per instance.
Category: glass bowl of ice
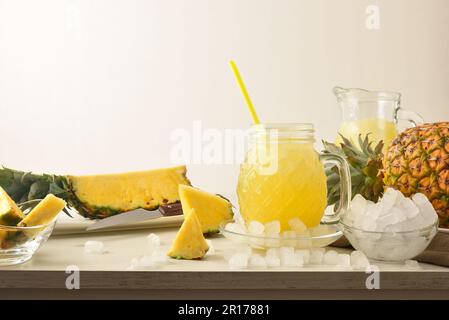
(395, 229)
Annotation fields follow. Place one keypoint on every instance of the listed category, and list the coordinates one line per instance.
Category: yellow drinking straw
(252, 111)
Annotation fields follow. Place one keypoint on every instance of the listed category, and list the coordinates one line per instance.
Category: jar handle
(345, 186)
(408, 115)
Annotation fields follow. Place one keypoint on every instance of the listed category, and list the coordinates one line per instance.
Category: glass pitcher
(282, 177)
(374, 112)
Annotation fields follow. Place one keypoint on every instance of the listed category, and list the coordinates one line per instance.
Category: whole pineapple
(418, 161)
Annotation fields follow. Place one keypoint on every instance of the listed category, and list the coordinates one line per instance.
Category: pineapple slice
(101, 196)
(189, 242)
(10, 214)
(212, 210)
(44, 212)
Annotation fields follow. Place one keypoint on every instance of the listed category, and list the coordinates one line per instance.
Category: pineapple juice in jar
(282, 176)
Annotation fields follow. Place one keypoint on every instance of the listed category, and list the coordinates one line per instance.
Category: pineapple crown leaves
(26, 186)
(365, 163)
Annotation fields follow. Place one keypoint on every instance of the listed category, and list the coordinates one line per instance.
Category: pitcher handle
(345, 186)
(410, 116)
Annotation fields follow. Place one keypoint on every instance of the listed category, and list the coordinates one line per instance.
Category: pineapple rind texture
(418, 161)
(10, 214)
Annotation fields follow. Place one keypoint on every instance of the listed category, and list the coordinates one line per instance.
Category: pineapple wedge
(44, 212)
(189, 242)
(212, 210)
(10, 214)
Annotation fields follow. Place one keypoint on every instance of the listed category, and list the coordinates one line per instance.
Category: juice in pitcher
(283, 177)
(377, 128)
(372, 112)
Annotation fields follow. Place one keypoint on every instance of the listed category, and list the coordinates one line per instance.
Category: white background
(98, 86)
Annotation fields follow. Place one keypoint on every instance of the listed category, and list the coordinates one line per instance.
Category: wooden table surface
(105, 275)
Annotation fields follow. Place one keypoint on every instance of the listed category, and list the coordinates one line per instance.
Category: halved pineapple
(10, 214)
(212, 210)
(44, 212)
(189, 242)
(101, 196)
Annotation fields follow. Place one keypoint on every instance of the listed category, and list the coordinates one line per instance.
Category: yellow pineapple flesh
(44, 213)
(212, 210)
(10, 214)
(104, 195)
(189, 242)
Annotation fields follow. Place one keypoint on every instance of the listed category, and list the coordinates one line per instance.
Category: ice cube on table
(146, 262)
(331, 258)
(359, 261)
(256, 228)
(344, 261)
(134, 264)
(317, 255)
(299, 260)
(273, 262)
(305, 255)
(293, 260)
(257, 261)
(238, 261)
(286, 254)
(243, 249)
(413, 264)
(94, 247)
(211, 247)
(297, 225)
(153, 242)
(272, 228)
(159, 258)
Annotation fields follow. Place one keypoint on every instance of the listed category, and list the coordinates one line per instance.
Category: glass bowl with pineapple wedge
(25, 227)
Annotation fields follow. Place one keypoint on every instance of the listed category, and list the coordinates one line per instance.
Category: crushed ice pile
(393, 213)
(396, 228)
(94, 247)
(245, 258)
(155, 256)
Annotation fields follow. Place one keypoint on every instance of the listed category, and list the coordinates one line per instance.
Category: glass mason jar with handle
(282, 177)
(375, 112)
